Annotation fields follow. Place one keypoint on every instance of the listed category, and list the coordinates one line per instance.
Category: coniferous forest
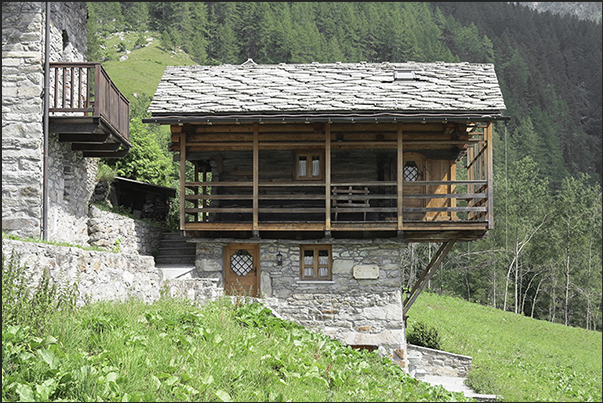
(544, 258)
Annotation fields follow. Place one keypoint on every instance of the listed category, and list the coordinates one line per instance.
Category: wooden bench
(345, 198)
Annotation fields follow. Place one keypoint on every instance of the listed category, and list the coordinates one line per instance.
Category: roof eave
(337, 117)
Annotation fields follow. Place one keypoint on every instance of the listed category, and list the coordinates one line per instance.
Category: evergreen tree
(136, 15)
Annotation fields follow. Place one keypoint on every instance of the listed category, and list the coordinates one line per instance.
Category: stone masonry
(71, 177)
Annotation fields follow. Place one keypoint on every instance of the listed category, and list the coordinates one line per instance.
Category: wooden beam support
(328, 179)
(95, 146)
(182, 178)
(489, 176)
(433, 265)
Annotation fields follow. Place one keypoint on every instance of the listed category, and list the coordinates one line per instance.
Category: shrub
(422, 335)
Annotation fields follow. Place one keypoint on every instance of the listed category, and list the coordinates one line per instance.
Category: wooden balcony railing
(85, 90)
(377, 202)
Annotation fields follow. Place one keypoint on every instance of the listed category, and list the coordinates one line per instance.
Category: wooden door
(241, 269)
(413, 169)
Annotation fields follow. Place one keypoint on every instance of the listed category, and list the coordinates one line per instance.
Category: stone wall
(427, 361)
(101, 276)
(110, 230)
(104, 276)
(71, 177)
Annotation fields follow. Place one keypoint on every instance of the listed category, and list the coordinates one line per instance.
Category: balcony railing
(85, 90)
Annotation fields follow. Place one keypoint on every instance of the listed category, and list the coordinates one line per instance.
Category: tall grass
(516, 357)
(31, 302)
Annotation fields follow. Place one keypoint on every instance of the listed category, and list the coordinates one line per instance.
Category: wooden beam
(489, 176)
(83, 138)
(328, 178)
(399, 176)
(182, 178)
(95, 146)
(256, 177)
(106, 154)
(433, 265)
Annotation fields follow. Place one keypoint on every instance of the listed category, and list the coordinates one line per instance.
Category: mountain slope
(519, 358)
(583, 10)
(140, 68)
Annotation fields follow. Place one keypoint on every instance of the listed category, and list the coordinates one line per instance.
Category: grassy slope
(141, 72)
(519, 358)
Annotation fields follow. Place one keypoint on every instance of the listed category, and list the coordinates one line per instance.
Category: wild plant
(26, 303)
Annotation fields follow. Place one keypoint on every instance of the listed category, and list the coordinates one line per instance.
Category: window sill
(315, 281)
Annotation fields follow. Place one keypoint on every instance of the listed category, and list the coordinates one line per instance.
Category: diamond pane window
(411, 171)
(241, 262)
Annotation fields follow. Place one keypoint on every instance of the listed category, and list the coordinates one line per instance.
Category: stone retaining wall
(104, 276)
(100, 276)
(110, 230)
(436, 362)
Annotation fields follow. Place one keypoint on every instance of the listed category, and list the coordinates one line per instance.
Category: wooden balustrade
(85, 90)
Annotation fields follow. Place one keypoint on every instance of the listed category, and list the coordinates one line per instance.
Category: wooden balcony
(88, 111)
(254, 198)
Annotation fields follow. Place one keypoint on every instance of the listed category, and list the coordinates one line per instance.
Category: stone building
(311, 179)
(47, 176)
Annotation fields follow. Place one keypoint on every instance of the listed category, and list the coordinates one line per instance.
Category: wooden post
(256, 178)
(470, 187)
(328, 179)
(182, 177)
(489, 176)
(196, 191)
(399, 176)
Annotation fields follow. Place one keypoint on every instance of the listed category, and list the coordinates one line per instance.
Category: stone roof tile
(327, 87)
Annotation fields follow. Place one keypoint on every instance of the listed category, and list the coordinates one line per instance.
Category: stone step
(176, 271)
(175, 250)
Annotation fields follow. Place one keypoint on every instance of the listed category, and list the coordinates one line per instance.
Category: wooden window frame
(316, 249)
(308, 155)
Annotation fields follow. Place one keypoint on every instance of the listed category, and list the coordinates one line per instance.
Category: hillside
(514, 356)
(228, 350)
(582, 10)
(138, 70)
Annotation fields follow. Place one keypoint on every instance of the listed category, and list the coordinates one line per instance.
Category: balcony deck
(88, 111)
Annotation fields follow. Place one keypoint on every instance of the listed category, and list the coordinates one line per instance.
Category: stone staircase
(176, 256)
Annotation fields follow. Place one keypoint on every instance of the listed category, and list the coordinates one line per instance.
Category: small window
(316, 262)
(309, 166)
(411, 172)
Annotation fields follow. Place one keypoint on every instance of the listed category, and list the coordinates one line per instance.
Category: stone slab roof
(327, 88)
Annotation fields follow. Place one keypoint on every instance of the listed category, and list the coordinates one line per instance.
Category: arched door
(413, 170)
(241, 269)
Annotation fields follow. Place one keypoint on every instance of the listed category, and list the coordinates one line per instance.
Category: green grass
(516, 357)
(174, 351)
(142, 71)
